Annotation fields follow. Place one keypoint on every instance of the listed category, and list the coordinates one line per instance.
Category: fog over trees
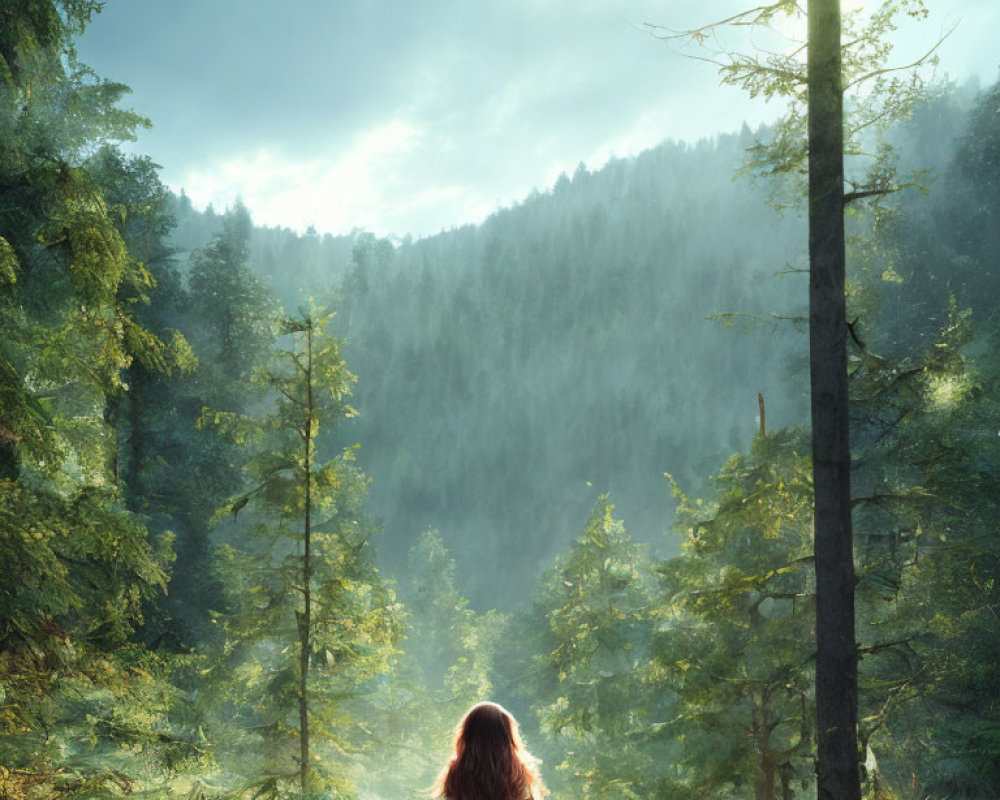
(277, 508)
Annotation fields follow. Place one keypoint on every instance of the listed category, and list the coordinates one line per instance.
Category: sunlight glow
(947, 391)
(336, 194)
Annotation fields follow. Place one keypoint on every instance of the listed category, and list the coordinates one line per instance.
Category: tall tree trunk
(305, 624)
(836, 654)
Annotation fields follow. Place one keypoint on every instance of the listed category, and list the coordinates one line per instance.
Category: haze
(409, 118)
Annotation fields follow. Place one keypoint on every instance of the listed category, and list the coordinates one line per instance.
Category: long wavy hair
(490, 762)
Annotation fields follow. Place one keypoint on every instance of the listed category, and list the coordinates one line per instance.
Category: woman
(490, 762)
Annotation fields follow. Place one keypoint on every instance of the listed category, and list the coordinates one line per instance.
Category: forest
(276, 508)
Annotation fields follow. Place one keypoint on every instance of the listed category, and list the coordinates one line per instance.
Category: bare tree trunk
(766, 765)
(305, 624)
(836, 655)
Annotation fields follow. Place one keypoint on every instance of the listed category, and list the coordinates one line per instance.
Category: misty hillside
(563, 349)
(588, 340)
(511, 372)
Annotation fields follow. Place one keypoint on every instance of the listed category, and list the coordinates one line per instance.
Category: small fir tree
(597, 602)
(310, 624)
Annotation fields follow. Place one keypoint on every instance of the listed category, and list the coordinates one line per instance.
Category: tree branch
(886, 70)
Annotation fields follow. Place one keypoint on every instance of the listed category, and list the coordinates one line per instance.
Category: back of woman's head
(490, 762)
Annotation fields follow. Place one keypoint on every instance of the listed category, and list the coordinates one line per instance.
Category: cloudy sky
(412, 116)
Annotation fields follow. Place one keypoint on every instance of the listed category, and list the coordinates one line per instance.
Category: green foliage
(233, 311)
(734, 640)
(697, 685)
(451, 645)
(877, 94)
(306, 606)
(446, 665)
(497, 345)
(63, 261)
(175, 470)
(84, 710)
(601, 712)
(925, 502)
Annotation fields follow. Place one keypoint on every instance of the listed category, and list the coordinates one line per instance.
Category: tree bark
(766, 764)
(836, 656)
(306, 621)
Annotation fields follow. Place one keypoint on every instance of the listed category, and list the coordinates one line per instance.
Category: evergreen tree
(62, 261)
(597, 602)
(228, 316)
(311, 622)
(444, 667)
(85, 709)
(814, 134)
(449, 642)
(233, 310)
(734, 640)
(925, 500)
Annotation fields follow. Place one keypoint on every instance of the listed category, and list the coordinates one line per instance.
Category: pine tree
(444, 667)
(229, 318)
(733, 643)
(234, 310)
(311, 623)
(597, 601)
(62, 261)
(81, 698)
(925, 501)
(812, 138)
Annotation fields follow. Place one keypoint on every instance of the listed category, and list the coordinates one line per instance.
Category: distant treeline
(587, 340)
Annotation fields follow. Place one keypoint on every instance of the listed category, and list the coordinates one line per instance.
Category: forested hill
(512, 372)
(578, 343)
(509, 373)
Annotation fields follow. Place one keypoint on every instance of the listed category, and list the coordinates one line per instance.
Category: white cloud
(413, 120)
(335, 194)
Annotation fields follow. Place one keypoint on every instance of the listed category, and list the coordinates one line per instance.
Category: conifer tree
(733, 641)
(228, 316)
(597, 604)
(81, 698)
(811, 139)
(311, 622)
(925, 500)
(445, 666)
(62, 260)
(234, 310)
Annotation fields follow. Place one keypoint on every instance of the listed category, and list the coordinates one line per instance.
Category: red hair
(490, 762)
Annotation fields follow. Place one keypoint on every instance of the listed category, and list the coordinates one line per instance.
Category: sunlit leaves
(597, 601)
(351, 622)
(734, 635)
(924, 499)
(79, 571)
(63, 260)
(877, 93)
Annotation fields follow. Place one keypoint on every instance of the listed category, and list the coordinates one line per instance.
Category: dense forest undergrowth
(275, 509)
